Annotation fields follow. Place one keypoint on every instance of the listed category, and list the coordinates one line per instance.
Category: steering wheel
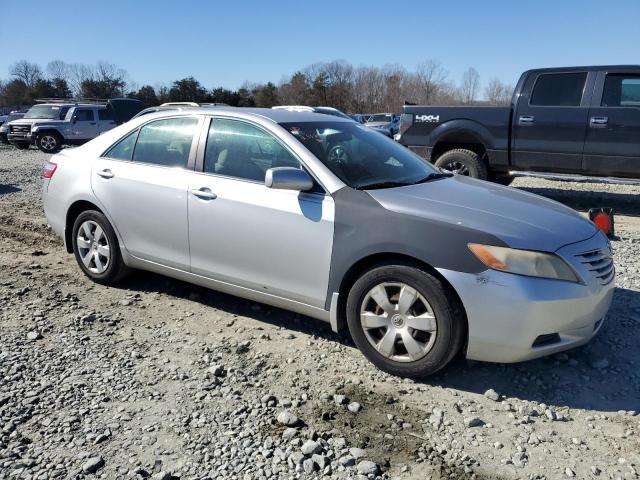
(338, 155)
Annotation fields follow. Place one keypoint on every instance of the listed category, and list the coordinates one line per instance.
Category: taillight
(49, 169)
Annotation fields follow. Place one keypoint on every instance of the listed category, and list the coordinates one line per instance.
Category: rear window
(105, 114)
(559, 90)
(621, 90)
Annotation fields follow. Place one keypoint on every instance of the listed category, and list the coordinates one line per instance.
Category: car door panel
(86, 124)
(612, 145)
(148, 206)
(549, 137)
(274, 241)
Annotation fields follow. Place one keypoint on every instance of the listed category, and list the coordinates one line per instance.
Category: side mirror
(288, 178)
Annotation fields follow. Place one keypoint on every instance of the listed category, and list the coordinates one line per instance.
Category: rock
(595, 470)
(308, 466)
(287, 418)
(340, 399)
(436, 418)
(289, 433)
(161, 476)
(471, 422)
(310, 447)
(491, 394)
(347, 461)
(34, 335)
(354, 407)
(216, 370)
(569, 473)
(367, 467)
(321, 461)
(93, 465)
(357, 452)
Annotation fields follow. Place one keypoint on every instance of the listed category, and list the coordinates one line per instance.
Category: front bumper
(20, 137)
(513, 318)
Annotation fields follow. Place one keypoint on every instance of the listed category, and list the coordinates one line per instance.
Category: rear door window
(558, 89)
(84, 115)
(166, 142)
(104, 114)
(621, 90)
(123, 150)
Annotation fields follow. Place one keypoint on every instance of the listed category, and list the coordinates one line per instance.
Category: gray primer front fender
(364, 228)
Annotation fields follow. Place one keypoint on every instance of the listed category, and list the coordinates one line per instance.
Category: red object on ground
(603, 219)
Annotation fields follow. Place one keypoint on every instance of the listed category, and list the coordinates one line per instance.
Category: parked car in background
(327, 218)
(51, 125)
(303, 108)
(575, 122)
(385, 123)
(360, 118)
(4, 128)
(3, 118)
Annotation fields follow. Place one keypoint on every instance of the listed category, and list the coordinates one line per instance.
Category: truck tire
(463, 162)
(49, 142)
(21, 145)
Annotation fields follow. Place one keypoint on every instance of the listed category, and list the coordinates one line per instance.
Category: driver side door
(241, 232)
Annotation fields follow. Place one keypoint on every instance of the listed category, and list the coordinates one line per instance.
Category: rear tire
(49, 142)
(96, 248)
(386, 334)
(463, 162)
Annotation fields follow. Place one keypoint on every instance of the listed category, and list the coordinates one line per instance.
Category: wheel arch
(358, 268)
(75, 209)
(464, 134)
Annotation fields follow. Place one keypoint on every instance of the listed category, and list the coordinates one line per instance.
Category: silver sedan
(325, 217)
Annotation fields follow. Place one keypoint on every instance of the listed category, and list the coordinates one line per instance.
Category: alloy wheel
(456, 167)
(398, 321)
(93, 247)
(48, 142)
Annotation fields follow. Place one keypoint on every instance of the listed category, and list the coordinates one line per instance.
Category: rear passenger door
(142, 184)
(550, 122)
(612, 145)
(241, 232)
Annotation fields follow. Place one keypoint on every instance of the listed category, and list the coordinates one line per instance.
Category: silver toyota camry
(325, 217)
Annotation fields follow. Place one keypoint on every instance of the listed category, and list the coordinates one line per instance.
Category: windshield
(48, 112)
(379, 118)
(13, 116)
(359, 156)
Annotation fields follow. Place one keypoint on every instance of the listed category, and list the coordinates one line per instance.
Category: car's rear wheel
(404, 320)
(463, 162)
(49, 142)
(21, 146)
(96, 248)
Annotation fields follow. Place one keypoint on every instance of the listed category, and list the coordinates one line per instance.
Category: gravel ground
(160, 379)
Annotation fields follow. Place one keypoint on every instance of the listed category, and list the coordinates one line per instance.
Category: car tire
(438, 339)
(21, 146)
(91, 233)
(49, 142)
(463, 162)
(3, 139)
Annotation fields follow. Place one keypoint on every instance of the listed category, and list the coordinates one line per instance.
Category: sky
(228, 43)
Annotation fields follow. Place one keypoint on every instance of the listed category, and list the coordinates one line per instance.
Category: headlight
(524, 262)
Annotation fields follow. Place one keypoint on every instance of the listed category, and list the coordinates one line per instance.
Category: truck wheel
(21, 146)
(49, 142)
(463, 162)
(404, 320)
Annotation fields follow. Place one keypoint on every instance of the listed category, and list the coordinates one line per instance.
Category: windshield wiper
(373, 186)
(433, 176)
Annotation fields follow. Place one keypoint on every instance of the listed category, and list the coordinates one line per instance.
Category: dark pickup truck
(573, 122)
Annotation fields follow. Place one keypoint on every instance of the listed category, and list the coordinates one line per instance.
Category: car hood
(520, 219)
(36, 121)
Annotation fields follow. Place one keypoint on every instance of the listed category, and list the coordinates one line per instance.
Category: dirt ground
(158, 378)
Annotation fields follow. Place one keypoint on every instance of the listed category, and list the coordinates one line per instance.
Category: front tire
(21, 146)
(463, 162)
(96, 248)
(405, 320)
(49, 142)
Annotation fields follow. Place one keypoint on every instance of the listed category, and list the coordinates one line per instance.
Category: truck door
(84, 125)
(612, 145)
(550, 122)
(105, 120)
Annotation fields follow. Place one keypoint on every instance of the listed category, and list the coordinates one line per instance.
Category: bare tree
(78, 73)
(430, 79)
(26, 71)
(57, 69)
(469, 86)
(498, 93)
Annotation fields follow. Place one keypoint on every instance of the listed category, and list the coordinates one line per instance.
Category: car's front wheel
(49, 142)
(96, 249)
(21, 145)
(404, 320)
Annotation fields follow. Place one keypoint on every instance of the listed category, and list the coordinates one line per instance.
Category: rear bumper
(513, 318)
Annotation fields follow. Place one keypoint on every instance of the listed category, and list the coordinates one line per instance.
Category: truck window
(84, 115)
(621, 90)
(104, 114)
(558, 89)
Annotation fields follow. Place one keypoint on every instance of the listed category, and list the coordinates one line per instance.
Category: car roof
(275, 115)
(587, 68)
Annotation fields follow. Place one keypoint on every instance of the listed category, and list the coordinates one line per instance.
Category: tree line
(336, 84)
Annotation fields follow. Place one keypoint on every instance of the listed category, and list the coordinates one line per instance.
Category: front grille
(19, 128)
(600, 263)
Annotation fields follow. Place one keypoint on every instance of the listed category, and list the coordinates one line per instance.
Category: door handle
(106, 173)
(204, 193)
(598, 122)
(525, 120)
